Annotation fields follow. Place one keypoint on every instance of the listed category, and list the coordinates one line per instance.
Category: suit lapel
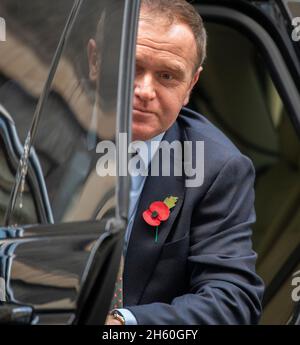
(143, 252)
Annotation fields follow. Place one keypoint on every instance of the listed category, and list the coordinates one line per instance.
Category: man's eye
(166, 76)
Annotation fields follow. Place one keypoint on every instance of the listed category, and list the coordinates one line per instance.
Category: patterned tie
(117, 301)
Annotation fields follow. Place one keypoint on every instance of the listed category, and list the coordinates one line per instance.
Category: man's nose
(144, 88)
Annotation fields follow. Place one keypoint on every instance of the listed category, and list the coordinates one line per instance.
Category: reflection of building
(66, 139)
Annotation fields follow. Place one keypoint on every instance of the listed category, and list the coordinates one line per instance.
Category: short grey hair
(182, 12)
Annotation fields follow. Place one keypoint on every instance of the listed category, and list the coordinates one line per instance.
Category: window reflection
(81, 108)
(80, 112)
(32, 33)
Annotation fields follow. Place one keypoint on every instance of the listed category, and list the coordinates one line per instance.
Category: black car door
(64, 213)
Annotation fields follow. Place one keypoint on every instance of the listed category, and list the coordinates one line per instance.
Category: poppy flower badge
(159, 211)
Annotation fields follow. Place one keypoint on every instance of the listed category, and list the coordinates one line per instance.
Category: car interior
(237, 94)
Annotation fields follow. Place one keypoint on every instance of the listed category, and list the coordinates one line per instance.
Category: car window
(236, 92)
(23, 215)
(80, 114)
(31, 36)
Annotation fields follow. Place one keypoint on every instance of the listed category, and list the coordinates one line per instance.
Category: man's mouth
(139, 111)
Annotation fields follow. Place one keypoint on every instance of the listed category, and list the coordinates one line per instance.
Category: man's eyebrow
(167, 66)
(173, 68)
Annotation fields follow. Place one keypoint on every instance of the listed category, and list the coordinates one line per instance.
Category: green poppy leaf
(171, 201)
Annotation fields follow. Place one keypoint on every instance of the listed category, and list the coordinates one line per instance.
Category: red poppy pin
(159, 211)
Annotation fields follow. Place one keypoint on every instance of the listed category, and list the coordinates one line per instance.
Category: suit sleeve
(223, 285)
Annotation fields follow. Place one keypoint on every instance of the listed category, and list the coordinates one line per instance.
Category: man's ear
(93, 60)
(193, 83)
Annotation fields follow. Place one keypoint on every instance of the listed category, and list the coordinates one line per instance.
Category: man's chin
(143, 134)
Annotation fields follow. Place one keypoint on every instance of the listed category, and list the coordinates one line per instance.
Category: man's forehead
(168, 61)
(176, 38)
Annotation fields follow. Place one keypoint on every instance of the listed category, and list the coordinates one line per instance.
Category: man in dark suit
(200, 269)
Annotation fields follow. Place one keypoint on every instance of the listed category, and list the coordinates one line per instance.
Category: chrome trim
(125, 95)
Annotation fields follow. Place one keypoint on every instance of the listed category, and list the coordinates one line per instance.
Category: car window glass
(80, 114)
(32, 31)
(23, 215)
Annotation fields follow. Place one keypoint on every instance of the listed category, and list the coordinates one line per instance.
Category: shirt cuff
(130, 319)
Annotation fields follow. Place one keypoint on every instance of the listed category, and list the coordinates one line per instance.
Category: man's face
(165, 63)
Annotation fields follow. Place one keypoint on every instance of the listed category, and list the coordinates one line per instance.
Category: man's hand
(111, 321)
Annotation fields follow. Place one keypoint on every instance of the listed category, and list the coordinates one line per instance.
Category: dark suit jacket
(202, 270)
